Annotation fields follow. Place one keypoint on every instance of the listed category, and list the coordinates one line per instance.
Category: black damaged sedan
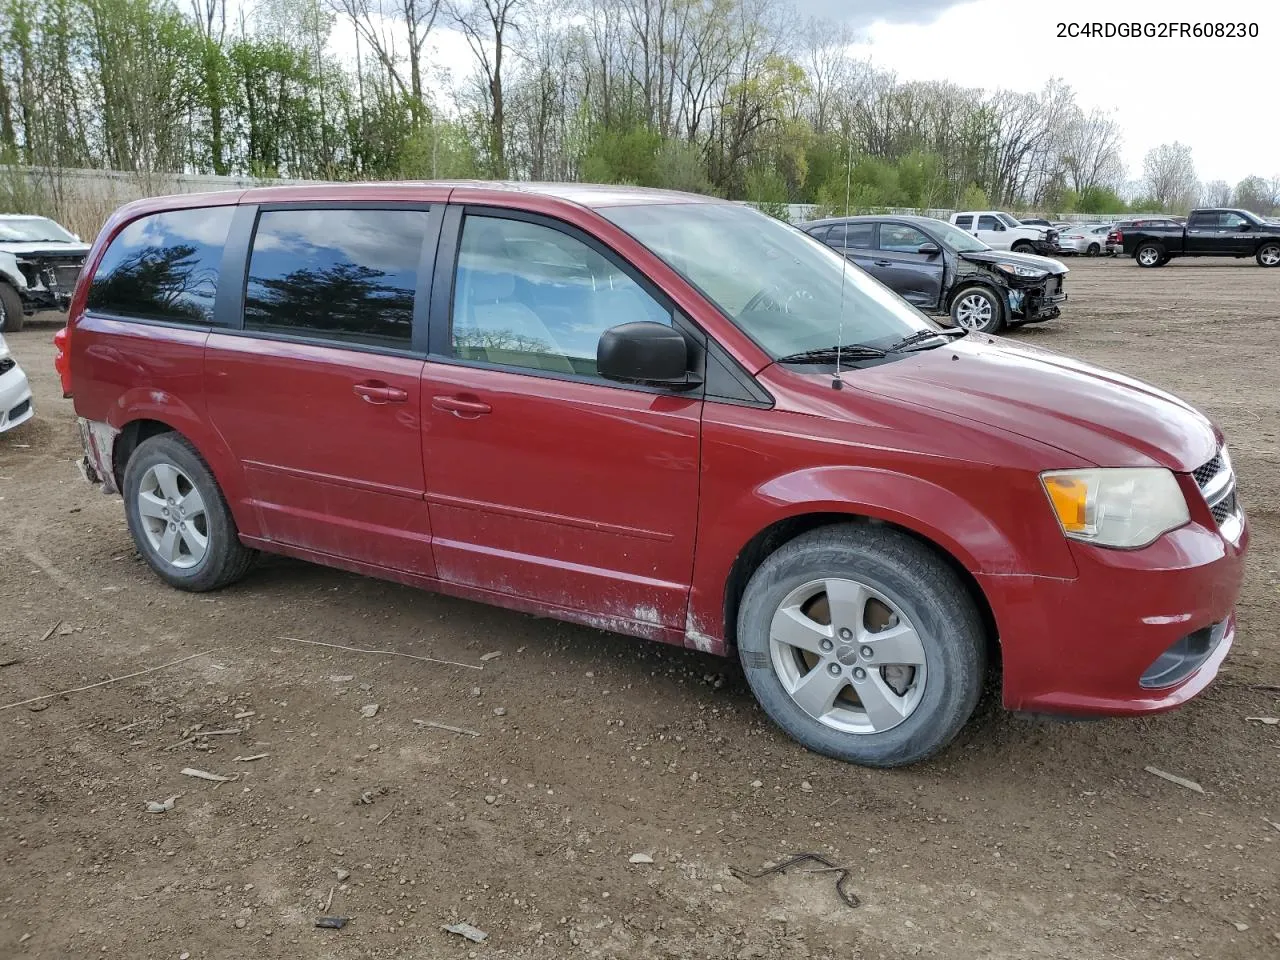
(941, 269)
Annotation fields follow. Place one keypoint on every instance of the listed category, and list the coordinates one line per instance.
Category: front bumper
(1035, 304)
(35, 300)
(1094, 645)
(15, 398)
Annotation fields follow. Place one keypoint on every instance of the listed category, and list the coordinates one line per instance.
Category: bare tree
(1216, 193)
(1091, 151)
(1169, 176)
(211, 18)
(416, 18)
(1252, 193)
(487, 24)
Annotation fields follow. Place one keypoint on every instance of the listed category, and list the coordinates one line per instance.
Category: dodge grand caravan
(581, 402)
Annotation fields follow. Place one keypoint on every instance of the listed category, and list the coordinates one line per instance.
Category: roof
(583, 194)
(22, 216)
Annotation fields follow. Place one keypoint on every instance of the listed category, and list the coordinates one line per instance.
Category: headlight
(1018, 270)
(1118, 507)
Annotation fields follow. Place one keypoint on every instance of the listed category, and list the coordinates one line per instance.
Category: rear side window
(1201, 221)
(164, 267)
(854, 236)
(964, 222)
(343, 275)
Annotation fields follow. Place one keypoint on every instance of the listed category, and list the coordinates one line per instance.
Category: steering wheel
(765, 299)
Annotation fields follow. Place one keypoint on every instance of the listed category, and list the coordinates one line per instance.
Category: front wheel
(1022, 246)
(1150, 255)
(11, 318)
(863, 645)
(179, 519)
(977, 309)
(1269, 255)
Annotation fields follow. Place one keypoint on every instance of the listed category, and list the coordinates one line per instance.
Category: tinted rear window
(345, 275)
(164, 266)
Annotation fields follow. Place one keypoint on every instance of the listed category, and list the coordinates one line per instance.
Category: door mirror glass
(1245, 226)
(644, 352)
(929, 249)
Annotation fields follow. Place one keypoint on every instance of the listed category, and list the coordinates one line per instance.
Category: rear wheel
(862, 644)
(1269, 255)
(179, 519)
(1094, 250)
(11, 318)
(1150, 255)
(977, 309)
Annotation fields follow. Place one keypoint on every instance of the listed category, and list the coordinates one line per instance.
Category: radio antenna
(836, 382)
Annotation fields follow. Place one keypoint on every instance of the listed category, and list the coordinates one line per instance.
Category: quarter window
(527, 295)
(899, 238)
(344, 275)
(164, 266)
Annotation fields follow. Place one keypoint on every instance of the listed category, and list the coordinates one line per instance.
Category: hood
(1104, 418)
(44, 248)
(993, 257)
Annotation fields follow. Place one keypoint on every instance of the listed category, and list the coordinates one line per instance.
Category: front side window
(1232, 221)
(987, 222)
(332, 274)
(529, 295)
(164, 266)
(781, 287)
(900, 238)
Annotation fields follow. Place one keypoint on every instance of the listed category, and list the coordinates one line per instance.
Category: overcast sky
(1217, 95)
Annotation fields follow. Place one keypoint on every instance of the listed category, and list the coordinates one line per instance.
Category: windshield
(33, 230)
(1008, 220)
(785, 290)
(955, 238)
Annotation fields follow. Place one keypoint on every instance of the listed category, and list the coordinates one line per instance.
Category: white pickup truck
(1001, 231)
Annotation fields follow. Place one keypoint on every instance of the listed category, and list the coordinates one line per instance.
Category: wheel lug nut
(834, 669)
(860, 674)
(825, 646)
(867, 653)
(845, 633)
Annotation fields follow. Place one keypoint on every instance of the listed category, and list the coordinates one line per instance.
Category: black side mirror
(1245, 226)
(929, 249)
(645, 352)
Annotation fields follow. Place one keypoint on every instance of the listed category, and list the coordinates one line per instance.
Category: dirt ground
(1028, 838)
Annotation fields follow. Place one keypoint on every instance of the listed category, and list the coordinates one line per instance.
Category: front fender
(9, 270)
(1006, 530)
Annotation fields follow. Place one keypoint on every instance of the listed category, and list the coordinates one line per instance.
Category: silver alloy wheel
(1270, 256)
(1148, 256)
(974, 311)
(173, 516)
(848, 656)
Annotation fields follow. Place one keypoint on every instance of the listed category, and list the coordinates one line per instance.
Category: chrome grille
(1217, 483)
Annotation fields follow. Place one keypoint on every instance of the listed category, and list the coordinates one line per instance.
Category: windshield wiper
(920, 336)
(854, 351)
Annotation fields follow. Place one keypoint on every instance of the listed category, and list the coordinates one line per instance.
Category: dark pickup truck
(1207, 233)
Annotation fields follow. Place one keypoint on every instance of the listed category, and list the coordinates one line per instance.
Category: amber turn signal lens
(1070, 498)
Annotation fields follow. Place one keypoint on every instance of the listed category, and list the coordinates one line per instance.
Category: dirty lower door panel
(580, 495)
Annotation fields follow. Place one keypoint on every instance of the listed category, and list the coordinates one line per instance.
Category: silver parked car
(1086, 239)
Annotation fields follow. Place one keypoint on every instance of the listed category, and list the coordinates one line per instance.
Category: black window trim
(227, 244)
(441, 340)
(248, 229)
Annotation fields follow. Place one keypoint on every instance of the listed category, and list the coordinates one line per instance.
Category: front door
(912, 275)
(992, 232)
(1236, 235)
(545, 481)
(318, 396)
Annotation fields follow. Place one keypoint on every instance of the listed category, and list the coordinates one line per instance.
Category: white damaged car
(15, 392)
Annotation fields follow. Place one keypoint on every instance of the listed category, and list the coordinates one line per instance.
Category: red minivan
(663, 415)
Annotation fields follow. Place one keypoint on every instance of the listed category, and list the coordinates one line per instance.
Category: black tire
(1094, 250)
(1268, 251)
(1150, 255)
(1024, 246)
(996, 320)
(916, 580)
(225, 559)
(11, 317)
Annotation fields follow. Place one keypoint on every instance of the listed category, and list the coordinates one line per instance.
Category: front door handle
(884, 263)
(375, 391)
(461, 407)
